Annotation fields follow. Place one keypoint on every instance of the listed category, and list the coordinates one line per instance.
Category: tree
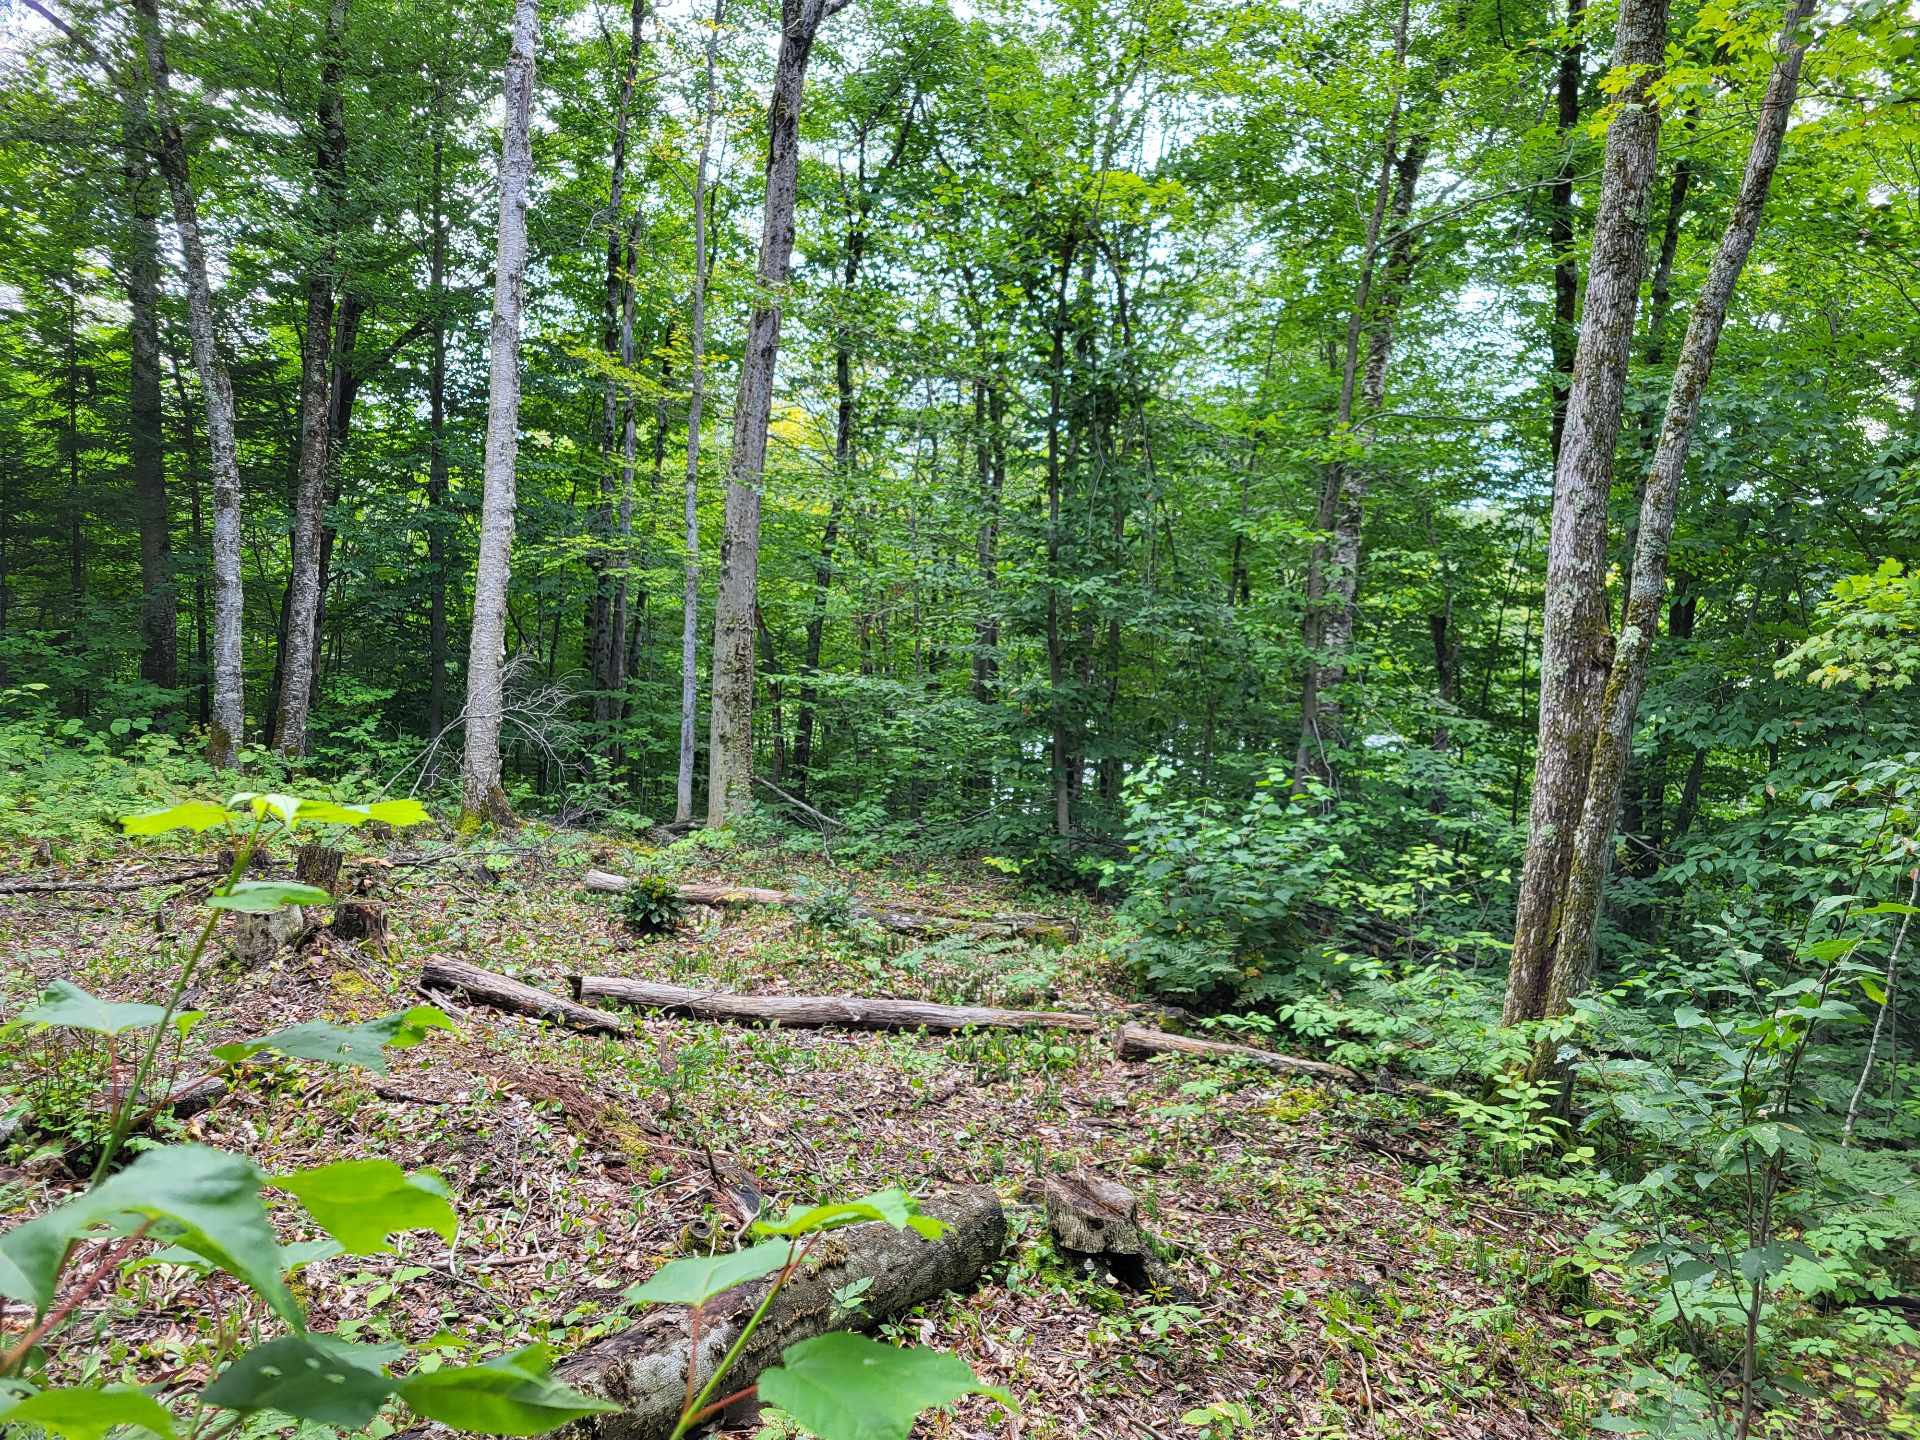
(1626, 677)
(696, 398)
(482, 797)
(229, 716)
(730, 740)
(1575, 646)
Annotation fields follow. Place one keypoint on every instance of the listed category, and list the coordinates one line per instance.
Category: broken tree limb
(1055, 929)
(811, 1011)
(644, 1369)
(456, 977)
(1136, 1042)
(106, 887)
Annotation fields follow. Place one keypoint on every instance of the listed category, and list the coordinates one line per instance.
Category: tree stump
(362, 921)
(317, 864)
(1095, 1218)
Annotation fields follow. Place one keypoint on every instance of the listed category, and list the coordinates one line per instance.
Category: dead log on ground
(1136, 1042)
(813, 1011)
(644, 1369)
(1050, 928)
(456, 977)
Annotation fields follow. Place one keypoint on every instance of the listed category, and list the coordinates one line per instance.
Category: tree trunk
(146, 446)
(1575, 645)
(1566, 267)
(228, 723)
(730, 739)
(298, 639)
(696, 396)
(606, 639)
(1627, 677)
(437, 434)
(500, 992)
(1333, 569)
(820, 1011)
(482, 797)
(644, 1368)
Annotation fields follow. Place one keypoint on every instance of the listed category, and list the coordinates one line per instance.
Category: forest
(863, 718)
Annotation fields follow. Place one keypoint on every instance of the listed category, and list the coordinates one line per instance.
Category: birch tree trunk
(1627, 677)
(299, 640)
(229, 708)
(730, 739)
(481, 795)
(1575, 645)
(696, 398)
(1333, 569)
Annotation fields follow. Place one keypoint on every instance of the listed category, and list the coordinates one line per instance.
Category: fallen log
(644, 1369)
(814, 1011)
(456, 977)
(1136, 1042)
(1053, 929)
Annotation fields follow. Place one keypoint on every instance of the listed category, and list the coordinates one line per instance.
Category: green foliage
(847, 1387)
(651, 905)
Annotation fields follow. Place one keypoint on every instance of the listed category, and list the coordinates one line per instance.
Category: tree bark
(730, 738)
(228, 723)
(606, 638)
(820, 1011)
(1566, 266)
(500, 992)
(298, 639)
(1333, 569)
(437, 432)
(482, 797)
(1575, 645)
(696, 397)
(146, 446)
(644, 1369)
(1626, 678)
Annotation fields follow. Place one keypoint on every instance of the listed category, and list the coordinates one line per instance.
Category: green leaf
(325, 812)
(847, 1387)
(85, 1413)
(511, 1395)
(66, 1004)
(361, 1045)
(361, 1202)
(194, 815)
(310, 1377)
(286, 807)
(398, 813)
(1825, 950)
(261, 897)
(1891, 907)
(208, 1200)
(701, 1277)
(893, 1206)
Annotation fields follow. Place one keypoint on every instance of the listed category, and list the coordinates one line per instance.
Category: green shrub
(651, 905)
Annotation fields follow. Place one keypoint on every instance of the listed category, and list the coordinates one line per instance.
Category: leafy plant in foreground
(206, 1209)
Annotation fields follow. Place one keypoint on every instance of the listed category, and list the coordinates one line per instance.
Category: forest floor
(1349, 1268)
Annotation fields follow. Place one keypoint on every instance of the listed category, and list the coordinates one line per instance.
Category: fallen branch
(106, 887)
(887, 917)
(827, 822)
(809, 1011)
(1136, 1042)
(644, 1369)
(456, 977)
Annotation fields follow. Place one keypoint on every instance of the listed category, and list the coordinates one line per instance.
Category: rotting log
(456, 977)
(814, 1011)
(1051, 929)
(644, 1369)
(1137, 1042)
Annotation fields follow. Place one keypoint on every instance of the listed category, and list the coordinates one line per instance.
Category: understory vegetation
(653, 652)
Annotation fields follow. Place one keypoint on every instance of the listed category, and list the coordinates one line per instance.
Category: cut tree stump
(1051, 929)
(813, 1011)
(456, 977)
(317, 864)
(1137, 1042)
(644, 1369)
(362, 921)
(1098, 1218)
